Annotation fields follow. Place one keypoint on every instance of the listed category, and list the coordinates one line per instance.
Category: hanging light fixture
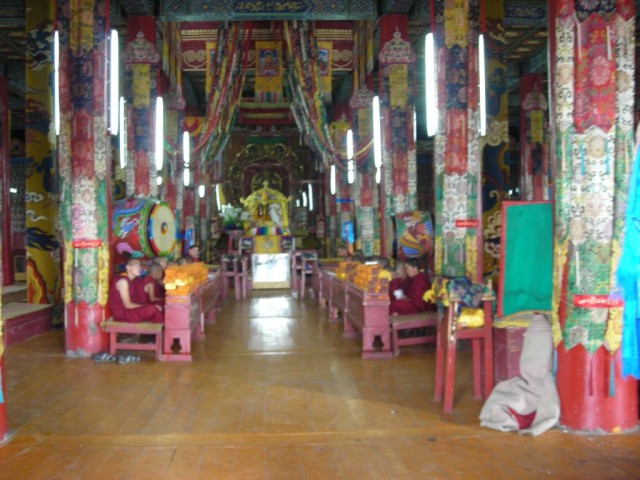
(431, 99)
(378, 175)
(56, 82)
(482, 104)
(186, 148)
(304, 199)
(310, 188)
(186, 157)
(122, 135)
(377, 134)
(332, 180)
(159, 180)
(201, 191)
(114, 82)
(159, 133)
(218, 202)
(350, 167)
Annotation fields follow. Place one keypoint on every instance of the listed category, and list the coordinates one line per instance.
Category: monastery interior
(274, 384)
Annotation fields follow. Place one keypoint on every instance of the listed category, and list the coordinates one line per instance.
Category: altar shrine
(267, 238)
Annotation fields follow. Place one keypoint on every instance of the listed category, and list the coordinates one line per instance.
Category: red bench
(114, 329)
(423, 320)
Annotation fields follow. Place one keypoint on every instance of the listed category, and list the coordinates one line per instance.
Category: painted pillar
(141, 60)
(84, 162)
(41, 208)
(364, 186)
(4, 228)
(5, 201)
(343, 199)
(593, 46)
(494, 145)
(457, 142)
(397, 108)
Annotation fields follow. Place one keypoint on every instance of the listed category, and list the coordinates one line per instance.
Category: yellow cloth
(470, 318)
(267, 244)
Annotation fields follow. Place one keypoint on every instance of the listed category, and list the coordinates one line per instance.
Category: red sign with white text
(596, 301)
(468, 223)
(87, 243)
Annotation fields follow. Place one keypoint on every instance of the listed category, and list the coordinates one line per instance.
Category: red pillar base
(587, 400)
(83, 336)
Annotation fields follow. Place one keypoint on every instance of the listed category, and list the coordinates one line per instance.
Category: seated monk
(408, 299)
(399, 281)
(122, 307)
(152, 287)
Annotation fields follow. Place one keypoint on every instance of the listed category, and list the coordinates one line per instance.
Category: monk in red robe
(153, 287)
(122, 307)
(409, 299)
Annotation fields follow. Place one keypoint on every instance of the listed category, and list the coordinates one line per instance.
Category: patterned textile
(594, 85)
(82, 152)
(595, 80)
(397, 105)
(229, 67)
(470, 293)
(457, 163)
(307, 104)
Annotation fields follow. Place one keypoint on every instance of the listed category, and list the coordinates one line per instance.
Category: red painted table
(184, 318)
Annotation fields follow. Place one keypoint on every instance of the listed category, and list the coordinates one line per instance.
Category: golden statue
(267, 208)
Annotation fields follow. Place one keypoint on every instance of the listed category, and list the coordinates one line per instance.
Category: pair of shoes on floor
(103, 357)
(127, 358)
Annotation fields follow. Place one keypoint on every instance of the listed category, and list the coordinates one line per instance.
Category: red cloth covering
(412, 302)
(145, 313)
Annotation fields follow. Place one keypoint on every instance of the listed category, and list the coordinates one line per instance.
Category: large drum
(143, 227)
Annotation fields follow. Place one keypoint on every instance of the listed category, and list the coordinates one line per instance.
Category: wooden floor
(274, 392)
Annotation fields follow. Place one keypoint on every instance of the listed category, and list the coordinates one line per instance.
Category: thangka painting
(414, 234)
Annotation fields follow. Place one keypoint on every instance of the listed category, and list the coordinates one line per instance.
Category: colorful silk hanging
(594, 83)
(457, 155)
(324, 68)
(268, 79)
(534, 171)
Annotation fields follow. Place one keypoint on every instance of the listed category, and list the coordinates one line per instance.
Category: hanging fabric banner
(268, 72)
(594, 80)
(533, 139)
(211, 55)
(324, 68)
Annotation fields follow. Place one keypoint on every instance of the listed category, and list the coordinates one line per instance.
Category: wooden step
(25, 320)
(14, 293)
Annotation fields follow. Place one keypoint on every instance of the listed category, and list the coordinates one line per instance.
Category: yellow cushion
(470, 318)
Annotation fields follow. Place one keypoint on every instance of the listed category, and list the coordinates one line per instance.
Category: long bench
(114, 329)
(423, 320)
(185, 317)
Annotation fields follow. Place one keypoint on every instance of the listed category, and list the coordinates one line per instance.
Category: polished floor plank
(274, 392)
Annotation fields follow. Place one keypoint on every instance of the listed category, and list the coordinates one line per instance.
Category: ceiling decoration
(525, 31)
(208, 10)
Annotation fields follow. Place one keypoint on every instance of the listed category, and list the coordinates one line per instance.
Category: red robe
(145, 313)
(158, 291)
(412, 301)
